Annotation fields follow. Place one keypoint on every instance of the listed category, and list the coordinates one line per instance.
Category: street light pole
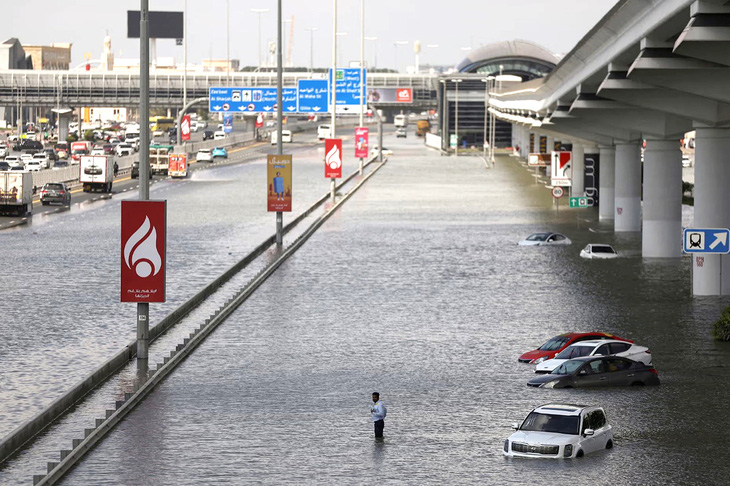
(185, 55)
(259, 11)
(396, 44)
(228, 42)
(456, 119)
(311, 47)
(143, 308)
(279, 113)
(333, 129)
(375, 50)
(362, 69)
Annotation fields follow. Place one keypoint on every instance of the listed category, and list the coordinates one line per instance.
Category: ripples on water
(417, 289)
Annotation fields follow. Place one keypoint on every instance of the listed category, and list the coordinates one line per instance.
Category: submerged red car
(562, 341)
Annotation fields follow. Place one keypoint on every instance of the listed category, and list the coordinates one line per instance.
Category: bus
(161, 123)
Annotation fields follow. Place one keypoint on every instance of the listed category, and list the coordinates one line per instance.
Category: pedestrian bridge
(647, 73)
(94, 88)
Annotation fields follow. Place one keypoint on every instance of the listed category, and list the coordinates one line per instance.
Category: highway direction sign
(706, 240)
(313, 96)
(250, 100)
(579, 202)
(348, 89)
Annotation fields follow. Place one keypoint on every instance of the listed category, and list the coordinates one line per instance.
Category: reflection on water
(418, 290)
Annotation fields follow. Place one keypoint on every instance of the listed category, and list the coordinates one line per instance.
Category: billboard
(333, 158)
(144, 230)
(278, 177)
(390, 95)
(361, 142)
(162, 25)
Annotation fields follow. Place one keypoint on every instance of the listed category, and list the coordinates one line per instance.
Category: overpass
(648, 72)
(93, 88)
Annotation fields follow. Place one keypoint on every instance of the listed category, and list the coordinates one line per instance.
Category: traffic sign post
(706, 240)
(579, 202)
(558, 192)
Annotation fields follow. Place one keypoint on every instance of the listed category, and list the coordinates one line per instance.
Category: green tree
(89, 135)
(721, 329)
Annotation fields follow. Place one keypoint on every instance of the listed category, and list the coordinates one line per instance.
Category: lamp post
(228, 42)
(260, 11)
(486, 143)
(362, 69)
(341, 34)
(333, 128)
(396, 44)
(375, 50)
(456, 115)
(432, 46)
(287, 61)
(311, 47)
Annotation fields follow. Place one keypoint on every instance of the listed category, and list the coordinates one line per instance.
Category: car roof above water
(560, 409)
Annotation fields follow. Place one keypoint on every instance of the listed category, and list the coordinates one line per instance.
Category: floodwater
(416, 289)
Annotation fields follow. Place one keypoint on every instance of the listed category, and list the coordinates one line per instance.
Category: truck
(423, 127)
(178, 165)
(400, 121)
(16, 193)
(79, 149)
(96, 172)
(160, 158)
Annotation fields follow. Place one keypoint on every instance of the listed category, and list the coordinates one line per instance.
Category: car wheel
(579, 453)
(609, 444)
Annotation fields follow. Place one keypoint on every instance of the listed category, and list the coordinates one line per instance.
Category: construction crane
(291, 40)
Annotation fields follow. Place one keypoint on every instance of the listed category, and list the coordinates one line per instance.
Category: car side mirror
(588, 432)
(515, 425)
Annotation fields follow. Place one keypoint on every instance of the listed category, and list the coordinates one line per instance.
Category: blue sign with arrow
(706, 240)
(250, 100)
(313, 96)
(349, 87)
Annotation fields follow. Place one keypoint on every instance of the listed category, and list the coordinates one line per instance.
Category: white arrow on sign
(217, 107)
(720, 238)
(242, 108)
(267, 108)
(315, 108)
(291, 108)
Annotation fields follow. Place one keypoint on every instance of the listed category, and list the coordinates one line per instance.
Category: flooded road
(417, 289)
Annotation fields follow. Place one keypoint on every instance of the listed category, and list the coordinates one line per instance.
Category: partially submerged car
(545, 239)
(602, 347)
(598, 251)
(560, 431)
(555, 345)
(598, 371)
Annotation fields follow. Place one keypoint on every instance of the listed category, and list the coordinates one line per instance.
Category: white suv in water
(560, 431)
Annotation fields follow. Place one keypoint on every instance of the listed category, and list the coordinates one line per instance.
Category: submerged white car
(598, 251)
(545, 239)
(557, 431)
(604, 347)
(204, 155)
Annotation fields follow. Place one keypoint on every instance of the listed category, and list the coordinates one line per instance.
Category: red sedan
(558, 343)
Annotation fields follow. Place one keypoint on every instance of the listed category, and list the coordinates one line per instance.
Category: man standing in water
(378, 411)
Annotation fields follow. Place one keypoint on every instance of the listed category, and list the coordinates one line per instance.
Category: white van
(323, 131)
(286, 137)
(219, 135)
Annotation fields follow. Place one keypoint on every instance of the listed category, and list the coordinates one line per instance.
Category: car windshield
(538, 237)
(542, 422)
(574, 352)
(568, 367)
(554, 344)
(602, 249)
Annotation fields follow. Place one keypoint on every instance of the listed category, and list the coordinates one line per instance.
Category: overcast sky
(452, 25)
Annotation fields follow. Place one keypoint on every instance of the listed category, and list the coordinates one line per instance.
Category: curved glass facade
(527, 69)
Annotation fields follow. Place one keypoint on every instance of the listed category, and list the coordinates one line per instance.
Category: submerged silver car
(545, 239)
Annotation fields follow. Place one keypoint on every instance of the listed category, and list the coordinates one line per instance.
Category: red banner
(333, 158)
(361, 142)
(185, 128)
(144, 228)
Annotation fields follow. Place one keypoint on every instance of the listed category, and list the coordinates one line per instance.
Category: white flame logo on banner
(185, 127)
(333, 159)
(140, 251)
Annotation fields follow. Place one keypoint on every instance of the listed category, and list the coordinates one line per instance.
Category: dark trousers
(379, 426)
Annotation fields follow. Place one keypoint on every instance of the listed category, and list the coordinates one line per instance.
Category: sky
(448, 27)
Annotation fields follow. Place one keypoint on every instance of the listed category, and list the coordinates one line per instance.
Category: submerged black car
(135, 170)
(208, 135)
(597, 371)
(55, 192)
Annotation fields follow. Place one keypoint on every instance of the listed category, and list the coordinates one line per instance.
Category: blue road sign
(706, 240)
(227, 123)
(348, 86)
(313, 96)
(250, 100)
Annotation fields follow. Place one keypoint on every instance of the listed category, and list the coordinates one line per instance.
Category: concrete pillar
(628, 187)
(525, 143)
(606, 186)
(662, 222)
(579, 164)
(711, 273)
